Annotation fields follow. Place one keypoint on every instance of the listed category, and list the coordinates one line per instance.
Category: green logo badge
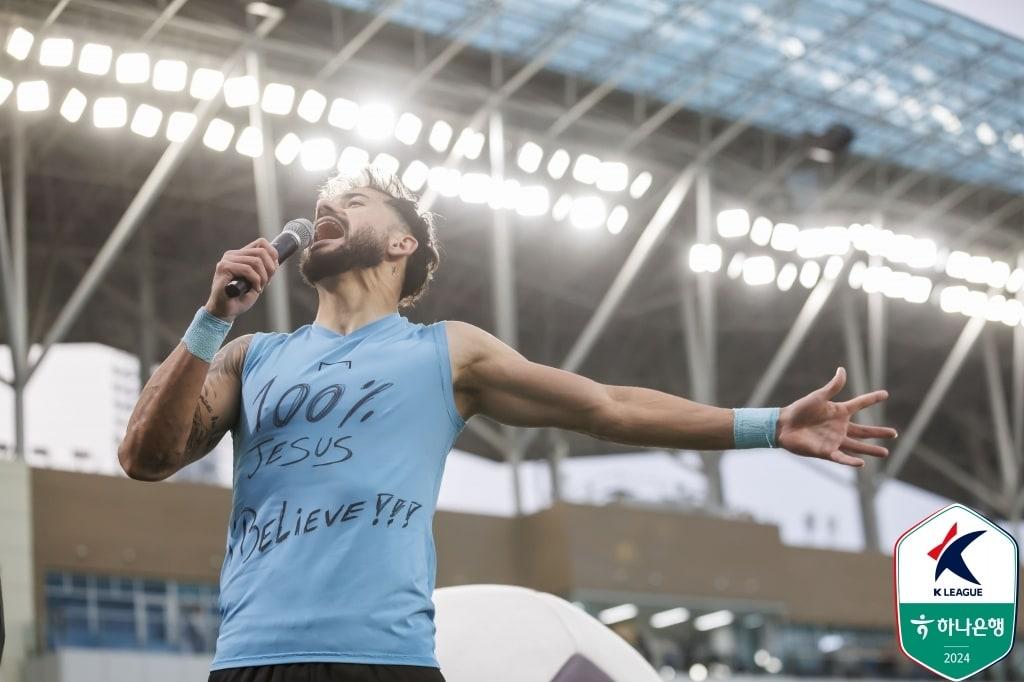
(956, 592)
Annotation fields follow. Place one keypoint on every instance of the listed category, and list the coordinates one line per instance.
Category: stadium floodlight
(353, 160)
(998, 274)
(733, 222)
(957, 264)
(318, 154)
(287, 149)
(278, 99)
(558, 164)
(33, 96)
(95, 58)
(986, 134)
(918, 290)
(109, 112)
(1013, 283)
(698, 672)
(241, 91)
(665, 619)
(440, 136)
(856, 276)
(250, 142)
(785, 237)
(792, 47)
(787, 276)
(470, 144)
(617, 218)
(375, 121)
(444, 181)
(994, 308)
(146, 121)
(560, 211)
(697, 258)
(975, 304)
(19, 43)
(735, 268)
(532, 201)
(774, 665)
(58, 52)
(415, 175)
(6, 88)
(612, 176)
(73, 106)
(715, 619)
(132, 68)
(952, 299)
(386, 163)
(1013, 312)
(507, 195)
(761, 231)
(758, 270)
(586, 168)
(641, 183)
(312, 105)
(978, 269)
(180, 125)
(529, 157)
(218, 134)
(170, 75)
(617, 614)
(587, 212)
(833, 266)
(809, 274)
(206, 83)
(475, 188)
(876, 280)
(408, 128)
(1016, 143)
(344, 113)
(921, 254)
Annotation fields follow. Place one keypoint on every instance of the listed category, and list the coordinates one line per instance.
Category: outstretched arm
(494, 380)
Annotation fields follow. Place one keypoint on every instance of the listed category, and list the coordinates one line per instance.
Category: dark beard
(361, 251)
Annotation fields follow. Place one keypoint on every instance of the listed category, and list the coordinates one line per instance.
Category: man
(341, 429)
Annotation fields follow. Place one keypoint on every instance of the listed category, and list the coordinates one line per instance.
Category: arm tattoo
(209, 427)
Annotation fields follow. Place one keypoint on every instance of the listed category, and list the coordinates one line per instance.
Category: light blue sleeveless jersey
(339, 449)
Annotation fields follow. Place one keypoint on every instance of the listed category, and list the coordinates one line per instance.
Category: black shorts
(328, 672)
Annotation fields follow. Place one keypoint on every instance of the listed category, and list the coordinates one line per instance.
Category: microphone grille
(303, 228)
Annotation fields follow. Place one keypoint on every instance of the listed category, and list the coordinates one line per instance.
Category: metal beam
(356, 43)
(166, 15)
(1009, 469)
(463, 37)
(1017, 380)
(147, 305)
(908, 440)
(959, 476)
(19, 279)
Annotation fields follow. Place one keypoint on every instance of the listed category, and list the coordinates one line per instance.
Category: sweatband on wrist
(754, 427)
(205, 335)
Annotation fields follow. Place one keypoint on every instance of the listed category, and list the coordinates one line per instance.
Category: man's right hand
(255, 262)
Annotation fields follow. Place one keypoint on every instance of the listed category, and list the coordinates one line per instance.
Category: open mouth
(329, 228)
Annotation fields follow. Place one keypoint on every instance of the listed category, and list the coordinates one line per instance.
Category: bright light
(206, 83)
(73, 106)
(95, 59)
(415, 175)
(287, 149)
(1013, 283)
(344, 113)
(952, 299)
(353, 160)
(922, 254)
(758, 270)
(975, 304)
(761, 657)
(475, 188)
(919, 289)
(787, 275)
(978, 269)
(558, 164)
(612, 176)
(278, 99)
(440, 136)
(734, 222)
(529, 157)
(998, 274)
(617, 614)
(506, 196)
(809, 274)
(318, 154)
(586, 168)
(532, 200)
(375, 121)
(705, 258)
(57, 52)
(823, 241)
(20, 43)
(146, 121)
(180, 125)
(241, 91)
(957, 264)
(878, 279)
(617, 219)
(132, 67)
(735, 268)
(792, 47)
(715, 619)
(109, 112)
(470, 144)
(833, 266)
(774, 665)
(250, 142)
(785, 237)
(761, 231)
(561, 209)
(856, 276)
(587, 212)
(986, 135)
(641, 183)
(170, 75)
(312, 105)
(698, 672)
(664, 619)
(218, 134)
(444, 181)
(386, 163)
(408, 128)
(994, 308)
(1013, 312)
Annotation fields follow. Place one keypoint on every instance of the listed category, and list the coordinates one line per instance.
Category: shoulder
(469, 346)
(231, 357)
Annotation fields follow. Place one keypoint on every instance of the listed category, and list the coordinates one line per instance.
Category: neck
(352, 300)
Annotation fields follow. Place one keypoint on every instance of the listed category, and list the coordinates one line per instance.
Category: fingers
(833, 387)
(238, 269)
(862, 431)
(851, 445)
(263, 245)
(840, 457)
(866, 400)
(257, 264)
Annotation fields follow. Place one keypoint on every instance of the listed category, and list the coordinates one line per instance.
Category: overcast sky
(1004, 15)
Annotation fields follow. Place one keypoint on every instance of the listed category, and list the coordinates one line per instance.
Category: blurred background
(723, 200)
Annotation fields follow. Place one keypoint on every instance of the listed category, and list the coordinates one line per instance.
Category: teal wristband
(754, 427)
(205, 335)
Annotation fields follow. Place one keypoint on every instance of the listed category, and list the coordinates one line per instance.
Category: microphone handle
(285, 244)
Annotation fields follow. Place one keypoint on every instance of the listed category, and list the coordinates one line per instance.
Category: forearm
(649, 418)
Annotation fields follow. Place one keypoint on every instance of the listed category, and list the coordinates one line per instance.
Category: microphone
(297, 234)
